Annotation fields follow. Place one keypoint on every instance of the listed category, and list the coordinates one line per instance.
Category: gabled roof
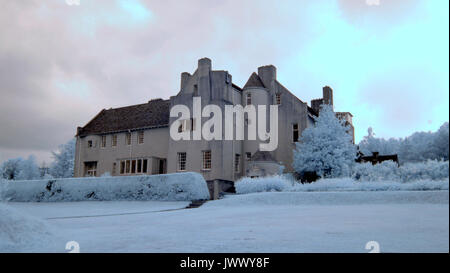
(262, 156)
(153, 114)
(254, 81)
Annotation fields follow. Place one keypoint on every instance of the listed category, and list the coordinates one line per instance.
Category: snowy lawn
(400, 221)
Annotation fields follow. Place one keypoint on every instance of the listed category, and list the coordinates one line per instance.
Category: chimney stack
(268, 74)
(327, 95)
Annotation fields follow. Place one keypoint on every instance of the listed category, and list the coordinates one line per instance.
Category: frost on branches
(326, 148)
(63, 165)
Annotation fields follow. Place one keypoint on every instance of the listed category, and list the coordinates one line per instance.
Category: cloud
(61, 64)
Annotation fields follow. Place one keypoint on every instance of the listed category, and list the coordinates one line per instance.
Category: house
(136, 139)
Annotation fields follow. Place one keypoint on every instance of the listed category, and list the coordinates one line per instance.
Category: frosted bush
(389, 171)
(168, 187)
(263, 184)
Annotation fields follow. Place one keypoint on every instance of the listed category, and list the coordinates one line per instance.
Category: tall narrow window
(278, 98)
(114, 140)
(192, 124)
(249, 98)
(144, 166)
(141, 137)
(128, 139)
(248, 155)
(237, 163)
(295, 133)
(103, 141)
(122, 167)
(139, 166)
(114, 168)
(195, 90)
(181, 161)
(127, 169)
(90, 144)
(206, 165)
(133, 166)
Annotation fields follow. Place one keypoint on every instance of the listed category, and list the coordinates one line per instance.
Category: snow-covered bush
(262, 184)
(64, 159)
(167, 187)
(326, 148)
(389, 171)
(20, 169)
(280, 183)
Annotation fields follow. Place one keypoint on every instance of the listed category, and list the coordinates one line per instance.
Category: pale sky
(60, 64)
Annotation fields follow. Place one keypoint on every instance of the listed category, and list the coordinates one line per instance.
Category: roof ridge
(254, 81)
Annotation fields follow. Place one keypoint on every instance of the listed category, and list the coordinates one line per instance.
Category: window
(103, 141)
(249, 98)
(206, 165)
(185, 125)
(90, 168)
(128, 139)
(248, 156)
(127, 166)
(295, 132)
(133, 166)
(139, 166)
(237, 163)
(141, 137)
(195, 90)
(144, 166)
(114, 140)
(181, 161)
(278, 98)
(192, 124)
(122, 167)
(114, 168)
(89, 143)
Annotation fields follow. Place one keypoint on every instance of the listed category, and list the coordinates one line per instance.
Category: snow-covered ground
(400, 221)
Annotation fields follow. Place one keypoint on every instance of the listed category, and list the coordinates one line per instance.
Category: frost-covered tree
(370, 144)
(64, 160)
(10, 168)
(20, 169)
(326, 148)
(28, 170)
(441, 143)
(419, 147)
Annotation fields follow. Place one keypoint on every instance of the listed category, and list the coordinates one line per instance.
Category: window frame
(295, 130)
(237, 163)
(103, 142)
(128, 139)
(206, 160)
(114, 140)
(140, 137)
(180, 163)
(249, 98)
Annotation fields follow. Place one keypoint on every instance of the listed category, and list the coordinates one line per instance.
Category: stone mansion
(135, 140)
